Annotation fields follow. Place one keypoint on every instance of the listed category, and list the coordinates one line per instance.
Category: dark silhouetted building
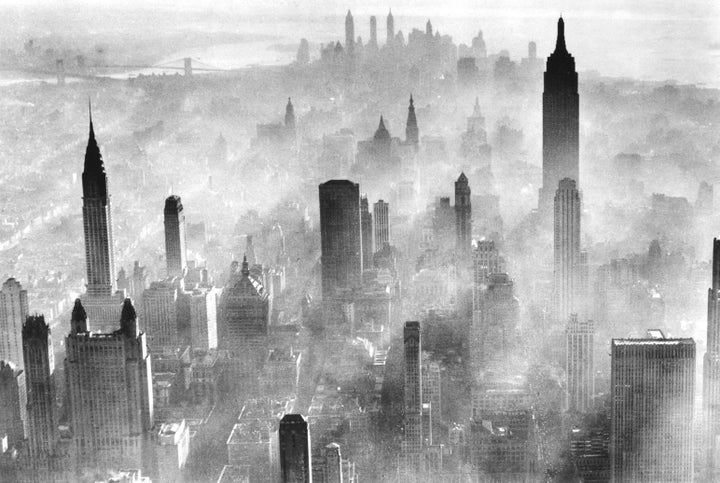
(175, 251)
(340, 236)
(366, 227)
(560, 121)
(653, 391)
(463, 218)
(411, 128)
(711, 372)
(295, 460)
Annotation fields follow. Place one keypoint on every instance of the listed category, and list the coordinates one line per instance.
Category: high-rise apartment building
(463, 218)
(175, 251)
(381, 220)
(580, 364)
(652, 385)
(13, 312)
(295, 460)
(340, 236)
(109, 392)
(561, 114)
(566, 250)
(413, 388)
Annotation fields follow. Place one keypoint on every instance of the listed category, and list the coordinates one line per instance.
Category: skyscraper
(390, 38)
(340, 236)
(580, 364)
(411, 127)
(295, 460)
(381, 219)
(13, 403)
(463, 218)
(413, 388)
(560, 120)
(349, 34)
(39, 372)
(13, 312)
(109, 391)
(101, 302)
(175, 252)
(160, 314)
(566, 250)
(711, 371)
(373, 32)
(366, 227)
(652, 386)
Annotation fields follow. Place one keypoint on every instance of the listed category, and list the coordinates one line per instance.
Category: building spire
(560, 44)
(92, 131)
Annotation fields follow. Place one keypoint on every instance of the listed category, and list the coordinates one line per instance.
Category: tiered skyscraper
(580, 366)
(340, 236)
(109, 391)
(566, 250)
(711, 371)
(463, 218)
(175, 251)
(560, 121)
(295, 461)
(101, 302)
(13, 312)
(411, 127)
(652, 386)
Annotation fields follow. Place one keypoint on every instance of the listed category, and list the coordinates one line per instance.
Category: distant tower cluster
(566, 250)
(653, 391)
(560, 121)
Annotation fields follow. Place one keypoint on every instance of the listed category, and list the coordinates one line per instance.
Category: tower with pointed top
(373, 33)
(463, 218)
(101, 301)
(390, 23)
(411, 127)
(428, 29)
(109, 392)
(711, 372)
(561, 112)
(349, 35)
(382, 142)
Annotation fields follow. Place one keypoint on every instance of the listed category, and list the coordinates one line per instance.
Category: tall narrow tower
(175, 237)
(13, 312)
(295, 460)
(411, 127)
(97, 222)
(390, 39)
(381, 220)
(413, 388)
(290, 116)
(566, 250)
(463, 218)
(711, 371)
(39, 371)
(349, 35)
(366, 228)
(560, 120)
(373, 32)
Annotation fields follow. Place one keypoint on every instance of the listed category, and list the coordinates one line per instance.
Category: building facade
(566, 251)
(580, 364)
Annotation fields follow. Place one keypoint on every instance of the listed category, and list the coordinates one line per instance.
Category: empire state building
(560, 121)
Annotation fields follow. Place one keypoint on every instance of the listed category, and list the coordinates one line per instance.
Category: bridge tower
(60, 70)
(188, 66)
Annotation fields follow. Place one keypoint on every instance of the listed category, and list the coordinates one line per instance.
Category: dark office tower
(463, 218)
(109, 392)
(290, 116)
(295, 460)
(13, 312)
(340, 236)
(366, 227)
(411, 127)
(651, 429)
(711, 372)
(390, 39)
(13, 403)
(560, 120)
(381, 219)
(349, 34)
(566, 250)
(175, 237)
(413, 388)
(373, 32)
(97, 222)
(580, 367)
(39, 370)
